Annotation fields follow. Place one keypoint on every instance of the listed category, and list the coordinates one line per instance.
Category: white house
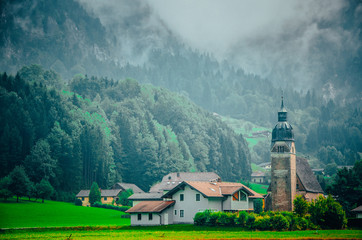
(190, 197)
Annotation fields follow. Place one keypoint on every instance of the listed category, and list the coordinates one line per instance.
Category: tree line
(104, 131)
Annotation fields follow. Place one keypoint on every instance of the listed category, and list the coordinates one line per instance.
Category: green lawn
(56, 214)
(178, 232)
(259, 188)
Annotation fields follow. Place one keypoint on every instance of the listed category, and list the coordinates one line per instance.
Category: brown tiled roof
(150, 207)
(357, 209)
(146, 196)
(171, 180)
(125, 186)
(104, 193)
(215, 189)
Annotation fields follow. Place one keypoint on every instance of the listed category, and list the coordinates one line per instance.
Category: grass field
(57, 220)
(176, 232)
(56, 214)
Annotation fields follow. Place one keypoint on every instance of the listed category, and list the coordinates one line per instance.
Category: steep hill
(106, 131)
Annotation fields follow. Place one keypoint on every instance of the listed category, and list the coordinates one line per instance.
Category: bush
(263, 223)
(108, 206)
(242, 218)
(279, 222)
(213, 218)
(78, 202)
(250, 221)
(200, 218)
(300, 223)
(227, 219)
(300, 206)
(327, 213)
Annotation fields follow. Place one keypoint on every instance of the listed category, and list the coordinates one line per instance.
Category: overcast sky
(277, 39)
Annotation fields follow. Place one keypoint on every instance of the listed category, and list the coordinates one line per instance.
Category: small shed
(151, 213)
(357, 211)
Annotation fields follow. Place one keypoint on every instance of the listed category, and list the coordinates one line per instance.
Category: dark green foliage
(19, 182)
(347, 187)
(78, 202)
(250, 221)
(300, 206)
(201, 217)
(300, 223)
(123, 198)
(212, 219)
(258, 205)
(279, 222)
(327, 213)
(263, 223)
(94, 194)
(44, 189)
(5, 193)
(242, 218)
(109, 206)
(227, 219)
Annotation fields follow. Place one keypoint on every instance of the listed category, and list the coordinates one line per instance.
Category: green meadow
(30, 214)
(58, 220)
(175, 232)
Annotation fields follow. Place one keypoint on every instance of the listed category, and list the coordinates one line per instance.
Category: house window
(175, 212)
(236, 196)
(82, 198)
(197, 197)
(105, 198)
(139, 217)
(182, 213)
(242, 196)
(150, 216)
(181, 197)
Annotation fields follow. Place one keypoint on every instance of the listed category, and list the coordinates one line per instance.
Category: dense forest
(96, 129)
(93, 122)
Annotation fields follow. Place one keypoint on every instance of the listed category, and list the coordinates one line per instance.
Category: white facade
(152, 219)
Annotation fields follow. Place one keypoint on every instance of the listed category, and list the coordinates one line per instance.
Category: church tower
(283, 164)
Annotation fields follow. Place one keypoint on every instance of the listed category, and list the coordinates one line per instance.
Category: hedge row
(109, 206)
(277, 221)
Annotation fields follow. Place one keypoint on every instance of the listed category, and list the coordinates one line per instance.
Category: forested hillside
(97, 129)
(128, 40)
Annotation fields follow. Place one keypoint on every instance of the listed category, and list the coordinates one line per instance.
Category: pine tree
(94, 194)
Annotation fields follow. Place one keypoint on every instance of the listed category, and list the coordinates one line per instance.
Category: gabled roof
(150, 207)
(307, 176)
(258, 174)
(146, 196)
(214, 189)
(357, 209)
(171, 180)
(104, 193)
(125, 186)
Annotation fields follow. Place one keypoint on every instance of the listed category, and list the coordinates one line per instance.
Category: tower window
(280, 148)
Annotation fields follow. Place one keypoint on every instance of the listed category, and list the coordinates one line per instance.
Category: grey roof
(125, 186)
(357, 209)
(104, 193)
(153, 196)
(307, 176)
(173, 179)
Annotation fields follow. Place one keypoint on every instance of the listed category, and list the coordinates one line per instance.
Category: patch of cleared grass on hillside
(179, 232)
(56, 214)
(259, 188)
